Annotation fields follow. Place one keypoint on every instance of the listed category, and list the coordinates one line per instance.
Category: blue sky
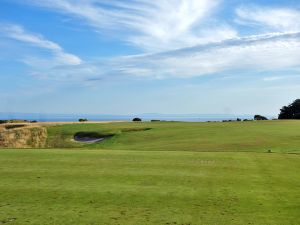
(142, 56)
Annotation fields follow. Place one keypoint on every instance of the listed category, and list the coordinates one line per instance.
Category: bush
(225, 121)
(3, 121)
(137, 119)
(155, 120)
(82, 120)
(259, 117)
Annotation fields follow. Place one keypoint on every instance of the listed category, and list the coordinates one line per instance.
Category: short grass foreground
(173, 173)
(138, 187)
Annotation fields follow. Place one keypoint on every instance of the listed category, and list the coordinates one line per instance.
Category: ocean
(42, 117)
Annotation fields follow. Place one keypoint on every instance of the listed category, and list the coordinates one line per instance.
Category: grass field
(258, 136)
(175, 173)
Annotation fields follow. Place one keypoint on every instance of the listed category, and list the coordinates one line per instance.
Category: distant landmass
(43, 117)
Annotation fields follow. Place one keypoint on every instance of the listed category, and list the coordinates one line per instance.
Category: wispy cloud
(274, 78)
(285, 77)
(18, 33)
(276, 19)
(182, 39)
(151, 25)
(255, 53)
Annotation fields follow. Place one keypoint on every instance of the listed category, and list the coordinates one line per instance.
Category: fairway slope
(257, 136)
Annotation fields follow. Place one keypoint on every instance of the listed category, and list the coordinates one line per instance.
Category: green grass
(258, 136)
(173, 173)
(139, 187)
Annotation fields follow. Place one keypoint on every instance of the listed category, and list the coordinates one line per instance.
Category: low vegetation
(15, 121)
(156, 173)
(21, 136)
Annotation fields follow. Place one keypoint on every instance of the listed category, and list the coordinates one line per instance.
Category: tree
(82, 120)
(259, 117)
(137, 119)
(292, 111)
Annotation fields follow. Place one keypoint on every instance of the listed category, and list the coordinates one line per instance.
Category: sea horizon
(56, 117)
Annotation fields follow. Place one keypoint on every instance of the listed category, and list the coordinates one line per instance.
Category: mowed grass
(148, 187)
(173, 173)
(258, 136)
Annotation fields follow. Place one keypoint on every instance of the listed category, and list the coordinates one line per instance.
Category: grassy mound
(259, 136)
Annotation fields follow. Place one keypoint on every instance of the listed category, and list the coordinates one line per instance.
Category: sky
(149, 56)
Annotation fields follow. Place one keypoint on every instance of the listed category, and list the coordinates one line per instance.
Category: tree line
(291, 111)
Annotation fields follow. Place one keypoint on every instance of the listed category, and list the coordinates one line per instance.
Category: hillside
(258, 136)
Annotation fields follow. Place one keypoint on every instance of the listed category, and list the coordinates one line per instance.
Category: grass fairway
(256, 136)
(138, 187)
(175, 173)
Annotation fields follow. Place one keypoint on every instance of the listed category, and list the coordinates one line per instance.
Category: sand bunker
(90, 137)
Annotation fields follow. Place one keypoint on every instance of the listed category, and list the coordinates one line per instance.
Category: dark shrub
(82, 120)
(155, 120)
(3, 121)
(137, 119)
(135, 129)
(14, 126)
(292, 111)
(259, 117)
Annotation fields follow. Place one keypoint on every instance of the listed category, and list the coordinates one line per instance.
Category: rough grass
(20, 136)
(140, 187)
(258, 136)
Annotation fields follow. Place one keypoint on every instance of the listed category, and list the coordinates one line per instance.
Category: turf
(173, 173)
(138, 187)
(256, 136)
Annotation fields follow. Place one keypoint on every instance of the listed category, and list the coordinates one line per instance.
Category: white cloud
(277, 19)
(255, 53)
(151, 25)
(268, 52)
(274, 78)
(18, 33)
(287, 77)
(162, 26)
